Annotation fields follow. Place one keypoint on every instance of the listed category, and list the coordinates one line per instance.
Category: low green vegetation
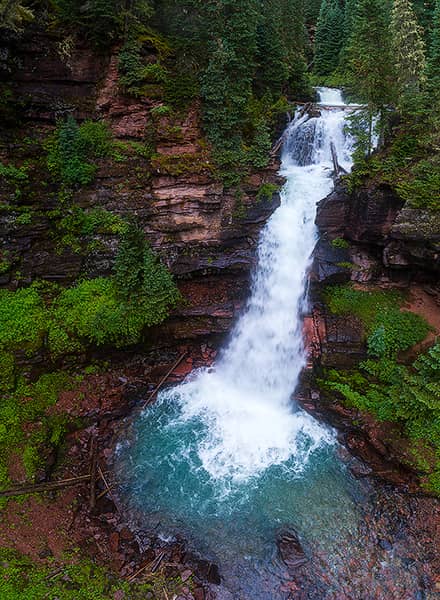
(340, 243)
(21, 578)
(79, 228)
(388, 329)
(408, 395)
(16, 177)
(26, 427)
(106, 310)
(72, 150)
(266, 191)
(48, 321)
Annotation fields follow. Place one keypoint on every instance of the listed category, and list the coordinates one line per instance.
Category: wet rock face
(383, 234)
(290, 550)
(330, 264)
(367, 216)
(203, 232)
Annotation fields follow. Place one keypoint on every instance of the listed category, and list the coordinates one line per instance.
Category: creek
(228, 460)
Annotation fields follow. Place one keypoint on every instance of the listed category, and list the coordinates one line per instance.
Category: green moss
(21, 578)
(340, 243)
(24, 404)
(266, 191)
(180, 164)
(389, 329)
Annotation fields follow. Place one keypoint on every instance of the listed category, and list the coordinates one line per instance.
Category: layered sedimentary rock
(205, 233)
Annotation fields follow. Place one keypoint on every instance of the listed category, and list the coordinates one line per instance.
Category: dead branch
(162, 381)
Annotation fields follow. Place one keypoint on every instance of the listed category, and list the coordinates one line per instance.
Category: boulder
(290, 549)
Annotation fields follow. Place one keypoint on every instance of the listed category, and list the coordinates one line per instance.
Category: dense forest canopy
(246, 59)
(242, 65)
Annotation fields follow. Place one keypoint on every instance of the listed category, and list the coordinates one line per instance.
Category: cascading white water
(245, 400)
(216, 460)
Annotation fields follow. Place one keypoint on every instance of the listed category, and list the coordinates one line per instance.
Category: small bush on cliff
(406, 395)
(389, 330)
(141, 277)
(22, 320)
(72, 148)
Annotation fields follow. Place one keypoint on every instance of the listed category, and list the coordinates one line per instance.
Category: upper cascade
(246, 419)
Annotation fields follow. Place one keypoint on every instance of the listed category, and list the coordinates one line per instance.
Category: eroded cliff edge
(369, 241)
(162, 177)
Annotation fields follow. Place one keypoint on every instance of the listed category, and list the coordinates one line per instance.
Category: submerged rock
(290, 550)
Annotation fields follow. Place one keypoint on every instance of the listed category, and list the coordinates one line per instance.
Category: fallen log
(336, 166)
(93, 468)
(44, 487)
(162, 381)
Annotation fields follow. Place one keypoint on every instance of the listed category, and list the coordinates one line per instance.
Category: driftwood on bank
(93, 470)
(48, 486)
(163, 380)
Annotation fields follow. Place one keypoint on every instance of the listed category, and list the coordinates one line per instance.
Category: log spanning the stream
(312, 107)
(333, 106)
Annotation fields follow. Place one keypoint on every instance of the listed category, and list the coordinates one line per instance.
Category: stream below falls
(227, 460)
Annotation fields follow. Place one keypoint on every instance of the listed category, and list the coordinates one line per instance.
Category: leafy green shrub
(16, 177)
(91, 222)
(394, 331)
(72, 148)
(115, 310)
(393, 392)
(22, 319)
(340, 243)
(422, 188)
(389, 329)
(135, 71)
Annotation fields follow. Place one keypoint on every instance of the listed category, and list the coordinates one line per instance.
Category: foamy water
(245, 399)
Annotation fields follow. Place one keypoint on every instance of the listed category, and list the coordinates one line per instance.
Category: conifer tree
(408, 46)
(272, 71)
(227, 80)
(350, 8)
(312, 8)
(433, 70)
(328, 40)
(13, 14)
(369, 55)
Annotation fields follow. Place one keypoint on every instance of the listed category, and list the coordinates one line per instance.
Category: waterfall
(227, 460)
(244, 402)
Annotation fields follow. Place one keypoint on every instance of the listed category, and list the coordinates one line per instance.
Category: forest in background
(245, 63)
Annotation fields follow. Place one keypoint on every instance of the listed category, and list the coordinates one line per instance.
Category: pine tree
(408, 46)
(433, 70)
(312, 8)
(424, 10)
(328, 40)
(227, 80)
(350, 9)
(369, 65)
(13, 14)
(271, 55)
